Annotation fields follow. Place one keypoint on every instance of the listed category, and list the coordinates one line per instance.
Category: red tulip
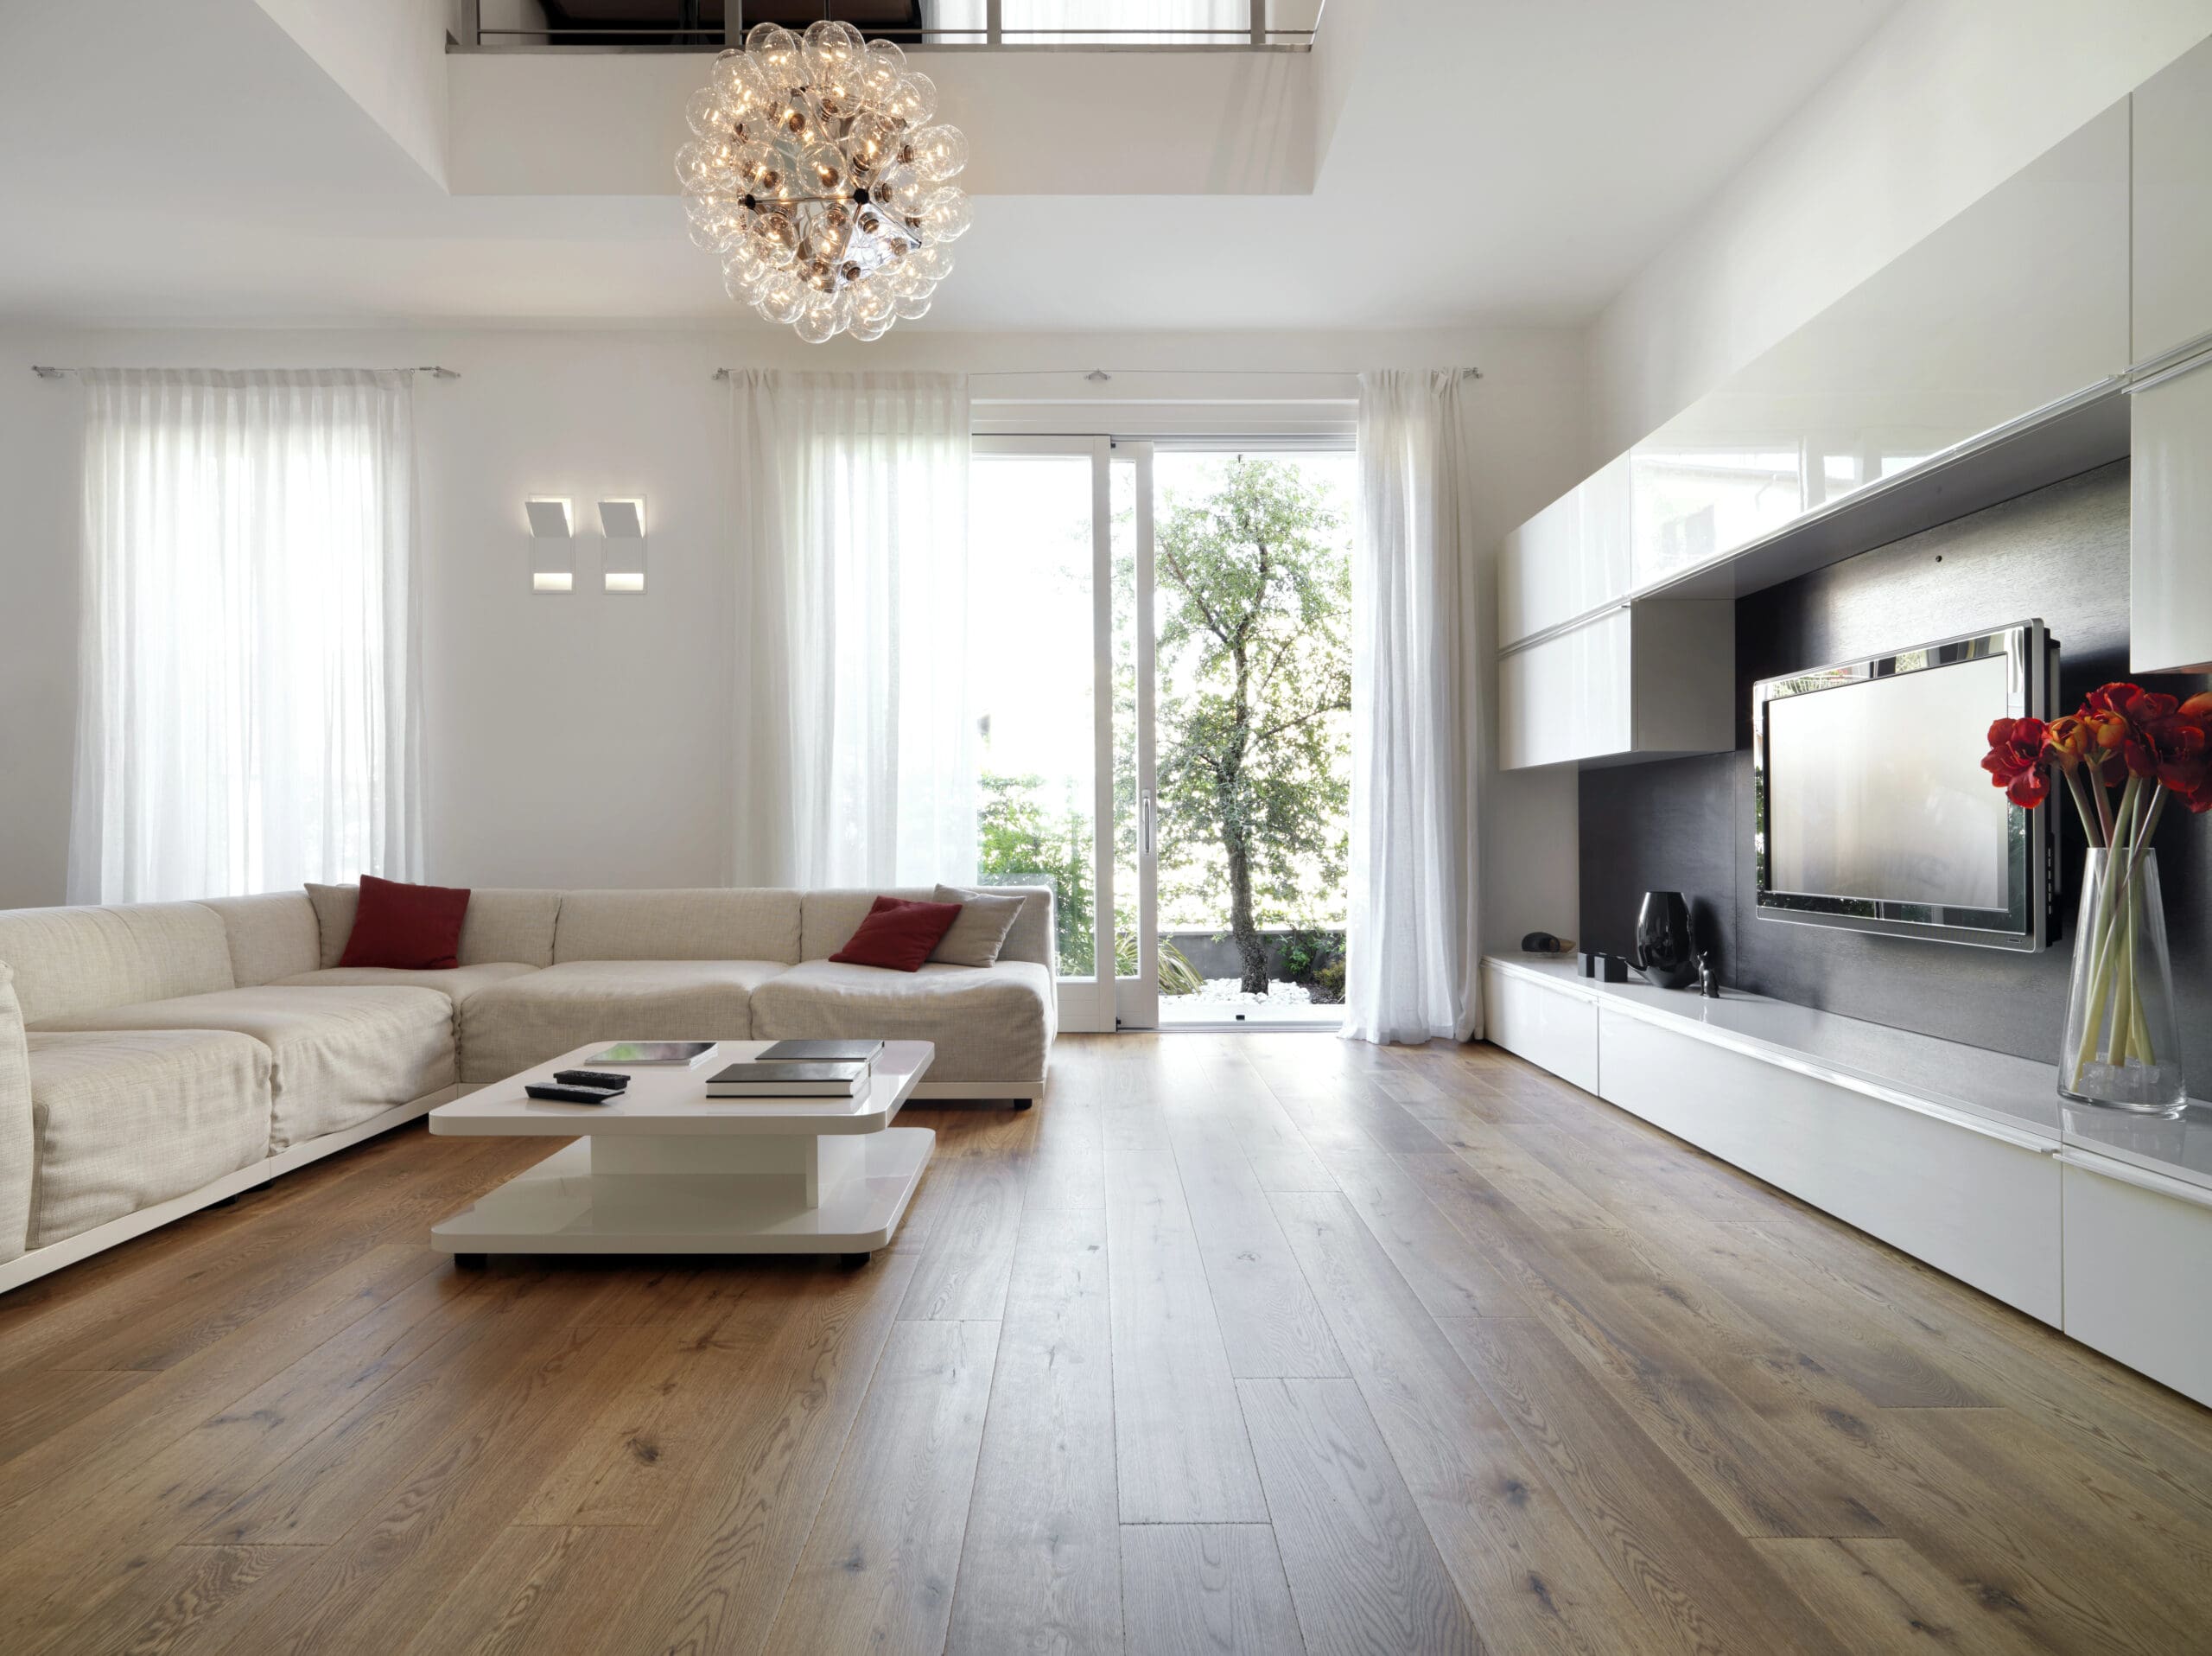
(2016, 762)
(2196, 714)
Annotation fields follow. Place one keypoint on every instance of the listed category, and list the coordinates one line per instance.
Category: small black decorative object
(1708, 975)
(1665, 948)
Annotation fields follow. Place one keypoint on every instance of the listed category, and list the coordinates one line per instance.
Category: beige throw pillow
(335, 908)
(980, 931)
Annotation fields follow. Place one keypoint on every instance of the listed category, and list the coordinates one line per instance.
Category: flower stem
(2102, 955)
(2092, 830)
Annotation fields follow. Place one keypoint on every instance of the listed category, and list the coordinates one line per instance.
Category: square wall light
(552, 544)
(622, 560)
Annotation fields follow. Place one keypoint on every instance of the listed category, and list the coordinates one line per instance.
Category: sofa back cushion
(15, 1124)
(80, 959)
(834, 915)
(271, 935)
(502, 926)
(712, 924)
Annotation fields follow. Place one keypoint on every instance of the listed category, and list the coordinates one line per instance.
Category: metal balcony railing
(937, 25)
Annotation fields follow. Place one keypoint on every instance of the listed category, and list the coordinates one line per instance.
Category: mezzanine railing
(938, 25)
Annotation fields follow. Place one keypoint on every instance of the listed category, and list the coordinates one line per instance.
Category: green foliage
(1307, 951)
(1255, 605)
(1022, 842)
(1327, 988)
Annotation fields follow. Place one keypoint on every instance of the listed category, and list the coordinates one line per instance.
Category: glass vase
(2121, 1049)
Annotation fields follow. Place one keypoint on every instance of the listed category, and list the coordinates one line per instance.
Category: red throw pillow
(415, 927)
(899, 935)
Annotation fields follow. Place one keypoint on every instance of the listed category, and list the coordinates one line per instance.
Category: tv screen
(1875, 813)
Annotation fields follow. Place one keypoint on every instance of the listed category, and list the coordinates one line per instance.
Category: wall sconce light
(552, 544)
(622, 562)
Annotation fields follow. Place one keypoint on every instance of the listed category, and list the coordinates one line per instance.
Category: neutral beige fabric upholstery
(989, 1023)
(16, 1139)
(979, 930)
(503, 924)
(832, 916)
(526, 1020)
(72, 959)
(271, 936)
(456, 983)
(341, 1055)
(129, 1118)
(715, 924)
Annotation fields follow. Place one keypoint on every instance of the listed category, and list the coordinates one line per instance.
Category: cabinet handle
(2161, 1184)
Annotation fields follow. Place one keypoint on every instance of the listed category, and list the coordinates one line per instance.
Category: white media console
(2092, 1221)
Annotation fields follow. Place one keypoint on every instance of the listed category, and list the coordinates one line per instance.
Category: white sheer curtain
(856, 740)
(1416, 704)
(247, 715)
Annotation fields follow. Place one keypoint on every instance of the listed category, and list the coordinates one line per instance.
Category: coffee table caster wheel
(469, 1261)
(853, 1261)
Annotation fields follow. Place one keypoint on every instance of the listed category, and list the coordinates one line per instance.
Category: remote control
(573, 1094)
(607, 1077)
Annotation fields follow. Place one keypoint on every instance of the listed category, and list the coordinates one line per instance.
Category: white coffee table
(666, 1169)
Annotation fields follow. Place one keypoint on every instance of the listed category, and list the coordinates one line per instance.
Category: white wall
(582, 740)
(1948, 99)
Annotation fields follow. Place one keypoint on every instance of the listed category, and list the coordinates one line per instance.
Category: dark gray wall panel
(2060, 553)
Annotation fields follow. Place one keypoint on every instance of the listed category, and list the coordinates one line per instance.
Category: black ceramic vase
(1664, 948)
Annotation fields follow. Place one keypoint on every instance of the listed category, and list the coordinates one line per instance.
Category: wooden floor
(1244, 1343)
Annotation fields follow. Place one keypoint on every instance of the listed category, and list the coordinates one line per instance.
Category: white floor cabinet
(1958, 1157)
(2138, 1244)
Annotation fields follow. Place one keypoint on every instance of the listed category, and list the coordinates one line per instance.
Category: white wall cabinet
(2136, 1247)
(1568, 560)
(2173, 206)
(1647, 680)
(2170, 481)
(2018, 302)
(2170, 412)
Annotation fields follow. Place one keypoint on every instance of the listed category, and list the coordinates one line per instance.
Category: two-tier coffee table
(666, 1169)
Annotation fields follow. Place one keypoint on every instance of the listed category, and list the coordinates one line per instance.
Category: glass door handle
(1148, 827)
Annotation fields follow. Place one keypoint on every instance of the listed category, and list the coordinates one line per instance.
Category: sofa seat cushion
(341, 1055)
(990, 1024)
(127, 1119)
(456, 983)
(513, 1025)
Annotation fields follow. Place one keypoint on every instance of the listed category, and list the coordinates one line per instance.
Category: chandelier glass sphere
(815, 173)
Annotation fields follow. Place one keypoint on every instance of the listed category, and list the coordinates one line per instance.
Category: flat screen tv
(1874, 812)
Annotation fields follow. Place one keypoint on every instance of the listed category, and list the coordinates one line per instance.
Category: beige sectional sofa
(157, 1057)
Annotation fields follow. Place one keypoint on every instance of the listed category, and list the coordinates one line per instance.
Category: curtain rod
(46, 372)
(1102, 375)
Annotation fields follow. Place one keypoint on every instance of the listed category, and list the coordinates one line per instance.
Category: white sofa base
(1023, 1092)
(29, 1267)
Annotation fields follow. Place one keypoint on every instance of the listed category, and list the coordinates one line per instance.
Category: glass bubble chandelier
(816, 175)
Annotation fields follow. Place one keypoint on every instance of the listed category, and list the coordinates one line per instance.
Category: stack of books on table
(800, 1069)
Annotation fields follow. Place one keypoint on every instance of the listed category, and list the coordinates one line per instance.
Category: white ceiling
(1494, 160)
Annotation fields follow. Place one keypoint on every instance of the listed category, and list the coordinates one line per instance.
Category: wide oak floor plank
(877, 1570)
(1363, 1569)
(1041, 1566)
(1181, 1453)
(1206, 1589)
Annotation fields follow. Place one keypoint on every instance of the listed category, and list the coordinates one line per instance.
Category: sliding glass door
(1162, 644)
(1060, 549)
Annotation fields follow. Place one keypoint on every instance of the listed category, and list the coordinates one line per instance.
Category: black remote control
(572, 1095)
(606, 1078)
